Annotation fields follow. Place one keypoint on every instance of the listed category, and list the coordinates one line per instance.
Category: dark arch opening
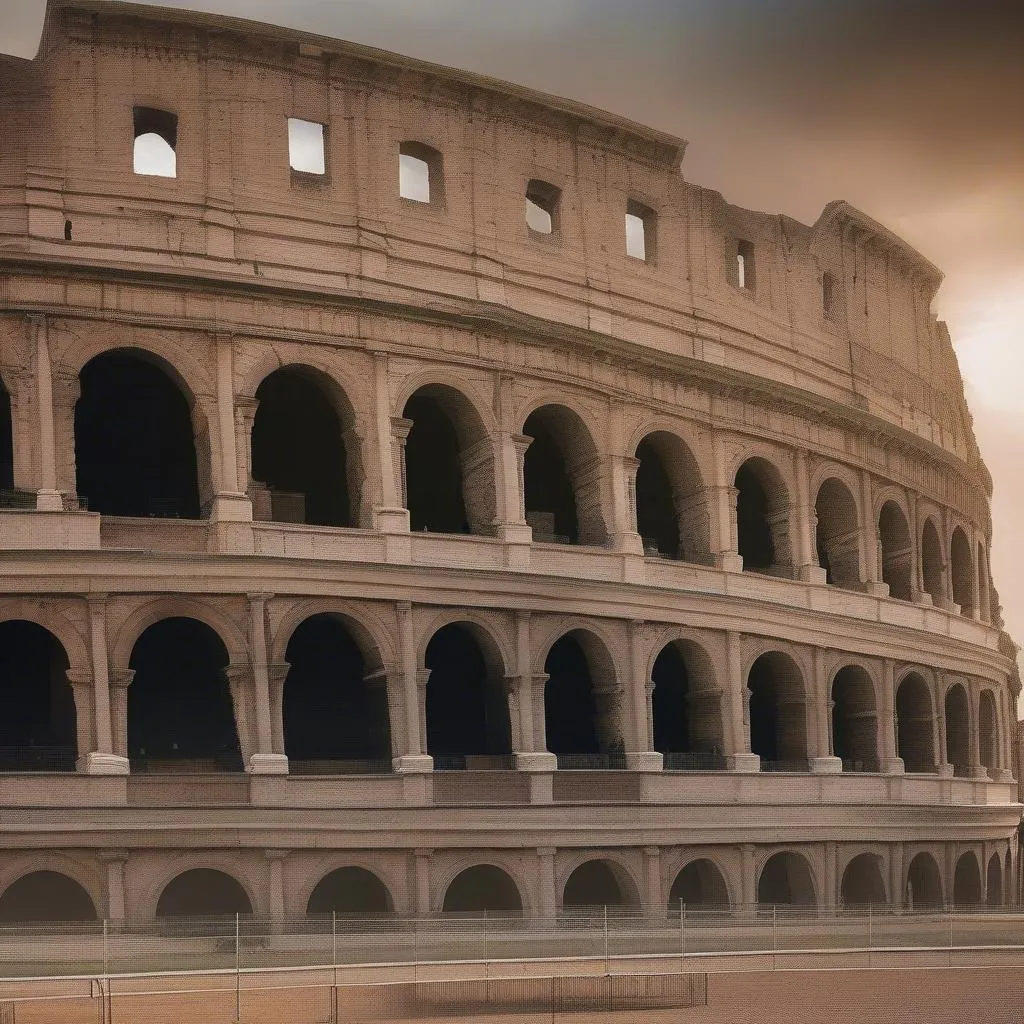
(854, 720)
(686, 708)
(967, 882)
(924, 883)
(180, 712)
(300, 462)
(6, 442)
(988, 738)
(350, 890)
(335, 713)
(778, 729)
(862, 883)
(958, 730)
(597, 883)
(466, 707)
(894, 535)
(203, 892)
(135, 452)
(994, 893)
(786, 880)
(699, 884)
(838, 534)
(657, 519)
(45, 896)
(914, 739)
(762, 518)
(38, 730)
(671, 510)
(962, 571)
(931, 563)
(480, 889)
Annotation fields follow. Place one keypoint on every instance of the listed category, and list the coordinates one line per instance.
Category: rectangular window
(306, 152)
(419, 173)
(640, 221)
(745, 265)
(541, 206)
(156, 141)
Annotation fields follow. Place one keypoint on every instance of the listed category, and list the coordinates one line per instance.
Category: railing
(474, 762)
(338, 766)
(795, 764)
(15, 498)
(612, 760)
(227, 762)
(37, 759)
(693, 761)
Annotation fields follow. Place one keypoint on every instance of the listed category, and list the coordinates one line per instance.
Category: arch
(599, 883)
(334, 705)
(762, 518)
(46, 896)
(449, 463)
(932, 563)
(562, 478)
(374, 635)
(203, 892)
(988, 730)
(699, 884)
(854, 719)
(837, 534)
(994, 882)
(180, 709)
(39, 724)
(896, 550)
(924, 883)
(135, 440)
(778, 717)
(581, 713)
(862, 883)
(306, 463)
(786, 879)
(961, 568)
(671, 506)
(967, 881)
(467, 713)
(914, 724)
(686, 707)
(482, 889)
(958, 729)
(350, 890)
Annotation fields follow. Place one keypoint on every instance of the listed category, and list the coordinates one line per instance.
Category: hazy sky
(913, 110)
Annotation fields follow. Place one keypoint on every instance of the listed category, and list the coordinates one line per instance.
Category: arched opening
(897, 551)
(203, 892)
(862, 883)
(135, 452)
(599, 883)
(924, 883)
(994, 884)
(762, 518)
(562, 479)
(449, 469)
(962, 572)
(38, 730)
(180, 711)
(686, 708)
(671, 511)
(778, 721)
(483, 889)
(984, 587)
(45, 896)
(931, 563)
(699, 884)
(156, 141)
(958, 730)
(786, 880)
(914, 725)
(466, 707)
(302, 470)
(6, 442)
(854, 720)
(580, 712)
(838, 534)
(350, 890)
(967, 881)
(988, 735)
(335, 711)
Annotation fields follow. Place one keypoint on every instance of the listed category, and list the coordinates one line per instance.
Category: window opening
(419, 173)
(156, 142)
(306, 146)
(639, 231)
(541, 207)
(745, 265)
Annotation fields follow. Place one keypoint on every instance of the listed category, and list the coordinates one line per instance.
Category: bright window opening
(639, 231)
(541, 207)
(745, 265)
(156, 140)
(306, 146)
(419, 173)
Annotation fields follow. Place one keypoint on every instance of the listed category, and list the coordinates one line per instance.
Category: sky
(912, 110)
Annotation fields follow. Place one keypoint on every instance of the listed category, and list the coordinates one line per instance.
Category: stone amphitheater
(418, 497)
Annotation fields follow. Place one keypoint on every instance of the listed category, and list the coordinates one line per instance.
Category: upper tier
(835, 317)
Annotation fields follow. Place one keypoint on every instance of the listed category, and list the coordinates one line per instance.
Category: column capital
(79, 676)
(547, 851)
(423, 851)
(112, 856)
(121, 676)
(277, 855)
(259, 596)
(652, 851)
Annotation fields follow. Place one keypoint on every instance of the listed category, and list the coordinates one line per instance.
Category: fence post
(775, 943)
(869, 935)
(682, 927)
(238, 974)
(605, 908)
(106, 952)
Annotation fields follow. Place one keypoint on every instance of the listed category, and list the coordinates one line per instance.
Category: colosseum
(419, 497)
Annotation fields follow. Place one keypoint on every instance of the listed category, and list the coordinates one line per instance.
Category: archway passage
(862, 883)
(838, 534)
(203, 892)
(466, 707)
(778, 729)
(686, 708)
(961, 572)
(762, 523)
(854, 721)
(988, 735)
(671, 512)
(335, 712)
(580, 718)
(786, 880)
(45, 896)
(561, 479)
(6, 442)
(700, 884)
(931, 563)
(38, 725)
(135, 453)
(180, 712)
(350, 890)
(897, 551)
(599, 883)
(958, 730)
(924, 883)
(301, 468)
(994, 886)
(480, 889)
(967, 882)
(914, 738)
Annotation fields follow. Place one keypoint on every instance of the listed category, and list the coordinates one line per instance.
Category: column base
(875, 588)
(743, 762)
(826, 765)
(1000, 774)
(267, 764)
(922, 597)
(536, 761)
(729, 562)
(96, 763)
(412, 764)
(979, 771)
(390, 520)
(628, 543)
(892, 766)
(644, 761)
(514, 533)
(944, 771)
(231, 508)
(812, 574)
(49, 501)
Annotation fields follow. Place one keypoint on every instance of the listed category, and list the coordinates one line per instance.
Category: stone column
(889, 760)
(830, 881)
(975, 577)
(66, 392)
(977, 769)
(276, 675)
(119, 681)
(389, 513)
(654, 906)
(531, 755)
(48, 498)
(414, 759)
(102, 760)
(738, 755)
(822, 761)
(115, 861)
(229, 501)
(872, 560)
(85, 734)
(422, 881)
(806, 553)
(245, 407)
(547, 895)
(943, 766)
(509, 453)
(917, 591)
(275, 861)
(262, 761)
(896, 887)
(748, 879)
(722, 514)
(624, 530)
(642, 757)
